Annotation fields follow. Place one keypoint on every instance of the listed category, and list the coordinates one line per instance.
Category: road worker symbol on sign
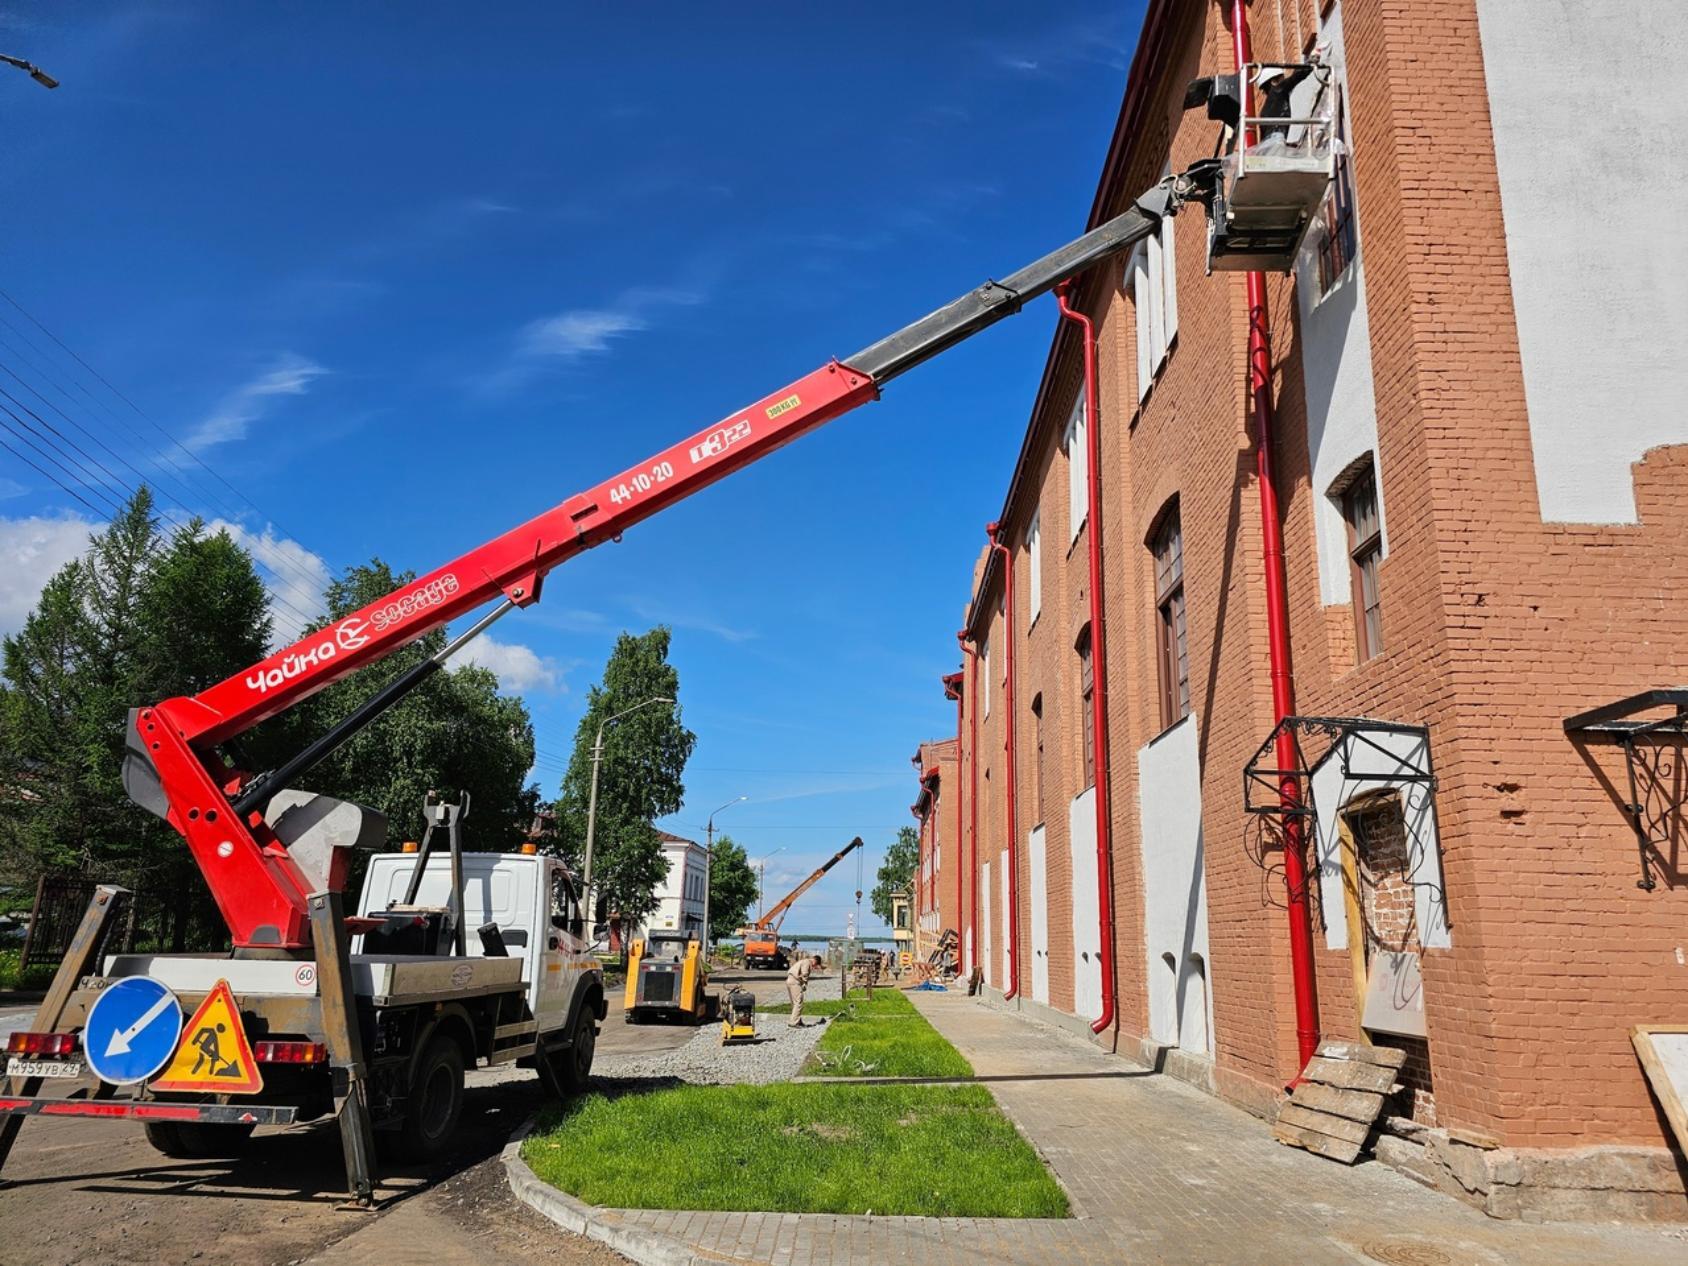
(214, 1054)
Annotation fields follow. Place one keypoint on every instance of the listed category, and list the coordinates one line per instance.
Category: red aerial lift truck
(350, 1024)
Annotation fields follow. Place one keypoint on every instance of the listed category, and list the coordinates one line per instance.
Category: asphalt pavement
(85, 1191)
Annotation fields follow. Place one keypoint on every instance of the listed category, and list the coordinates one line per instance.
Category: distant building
(680, 895)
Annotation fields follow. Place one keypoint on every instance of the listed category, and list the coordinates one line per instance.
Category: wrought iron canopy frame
(1263, 782)
(1620, 723)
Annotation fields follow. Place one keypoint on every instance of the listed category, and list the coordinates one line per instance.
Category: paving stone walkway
(1157, 1172)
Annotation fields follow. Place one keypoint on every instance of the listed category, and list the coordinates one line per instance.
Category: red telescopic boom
(172, 768)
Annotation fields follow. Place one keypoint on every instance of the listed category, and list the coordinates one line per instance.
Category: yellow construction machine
(667, 978)
(738, 1017)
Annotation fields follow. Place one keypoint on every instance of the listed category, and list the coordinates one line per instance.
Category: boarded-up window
(1383, 853)
(1037, 764)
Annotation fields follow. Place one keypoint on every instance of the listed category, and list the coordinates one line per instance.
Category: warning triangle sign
(214, 1055)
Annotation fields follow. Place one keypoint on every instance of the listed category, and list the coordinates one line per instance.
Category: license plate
(16, 1067)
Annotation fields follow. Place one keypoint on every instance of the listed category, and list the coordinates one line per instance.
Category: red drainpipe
(1008, 746)
(1277, 617)
(972, 658)
(1098, 663)
(959, 954)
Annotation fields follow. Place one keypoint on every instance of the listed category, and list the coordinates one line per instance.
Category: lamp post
(592, 798)
(35, 72)
(708, 856)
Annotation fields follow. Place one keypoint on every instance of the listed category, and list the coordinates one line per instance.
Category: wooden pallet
(1341, 1095)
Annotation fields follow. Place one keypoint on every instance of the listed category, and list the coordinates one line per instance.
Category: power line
(192, 489)
(295, 573)
(81, 476)
(66, 489)
(141, 413)
(23, 432)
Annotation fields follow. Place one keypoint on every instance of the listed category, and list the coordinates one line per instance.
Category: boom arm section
(770, 922)
(174, 772)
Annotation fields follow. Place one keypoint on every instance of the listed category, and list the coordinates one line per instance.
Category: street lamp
(592, 797)
(709, 856)
(35, 72)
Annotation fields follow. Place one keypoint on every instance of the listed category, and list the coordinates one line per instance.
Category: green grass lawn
(883, 1038)
(939, 1151)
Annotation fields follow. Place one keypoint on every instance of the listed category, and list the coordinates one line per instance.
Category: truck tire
(571, 1069)
(436, 1100)
(187, 1140)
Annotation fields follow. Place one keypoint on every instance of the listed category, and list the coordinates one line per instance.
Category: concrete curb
(648, 1248)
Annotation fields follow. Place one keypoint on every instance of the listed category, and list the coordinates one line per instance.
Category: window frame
(1150, 280)
(1075, 440)
(1171, 617)
(1034, 554)
(1362, 518)
(1083, 646)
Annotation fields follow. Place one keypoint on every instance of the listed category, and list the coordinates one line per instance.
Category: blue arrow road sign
(132, 1030)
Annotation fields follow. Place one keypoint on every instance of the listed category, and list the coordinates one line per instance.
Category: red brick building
(940, 868)
(1481, 459)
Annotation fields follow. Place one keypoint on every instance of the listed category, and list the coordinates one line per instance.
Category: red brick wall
(1496, 625)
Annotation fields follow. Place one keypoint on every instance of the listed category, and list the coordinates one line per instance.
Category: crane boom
(769, 923)
(173, 768)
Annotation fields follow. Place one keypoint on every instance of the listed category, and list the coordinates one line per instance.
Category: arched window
(1087, 692)
(1172, 640)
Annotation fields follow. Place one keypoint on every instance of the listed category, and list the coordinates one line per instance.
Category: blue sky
(403, 276)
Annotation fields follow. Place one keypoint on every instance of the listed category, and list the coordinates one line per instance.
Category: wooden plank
(1356, 1105)
(1663, 1063)
(1350, 1074)
(1383, 1056)
(1335, 1126)
(1313, 1141)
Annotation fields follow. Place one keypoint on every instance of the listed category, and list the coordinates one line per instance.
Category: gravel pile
(776, 1055)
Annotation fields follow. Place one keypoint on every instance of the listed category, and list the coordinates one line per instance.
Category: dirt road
(84, 1191)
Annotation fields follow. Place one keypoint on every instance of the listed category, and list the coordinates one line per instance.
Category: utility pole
(708, 857)
(762, 878)
(592, 800)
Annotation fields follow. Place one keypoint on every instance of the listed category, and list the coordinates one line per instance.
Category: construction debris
(1340, 1096)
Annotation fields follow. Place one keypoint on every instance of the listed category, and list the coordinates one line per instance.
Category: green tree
(732, 886)
(896, 872)
(203, 616)
(641, 777)
(454, 733)
(74, 670)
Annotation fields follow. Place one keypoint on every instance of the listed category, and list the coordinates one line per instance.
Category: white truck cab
(531, 899)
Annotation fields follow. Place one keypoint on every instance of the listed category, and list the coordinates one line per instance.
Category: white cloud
(290, 375)
(519, 668)
(571, 335)
(295, 576)
(31, 550)
(565, 338)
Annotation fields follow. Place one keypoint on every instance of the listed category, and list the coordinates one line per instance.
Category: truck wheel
(436, 1100)
(186, 1140)
(571, 1069)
